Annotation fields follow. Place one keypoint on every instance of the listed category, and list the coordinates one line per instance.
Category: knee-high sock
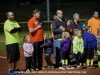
(91, 62)
(62, 62)
(99, 63)
(88, 62)
(66, 61)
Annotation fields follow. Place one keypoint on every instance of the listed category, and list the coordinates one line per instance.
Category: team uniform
(65, 48)
(98, 49)
(89, 44)
(78, 49)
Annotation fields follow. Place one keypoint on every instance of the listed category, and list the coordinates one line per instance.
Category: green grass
(21, 34)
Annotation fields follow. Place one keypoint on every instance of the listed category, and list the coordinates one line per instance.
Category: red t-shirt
(37, 35)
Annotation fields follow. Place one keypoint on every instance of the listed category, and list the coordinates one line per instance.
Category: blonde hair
(25, 38)
(65, 35)
(87, 28)
(76, 32)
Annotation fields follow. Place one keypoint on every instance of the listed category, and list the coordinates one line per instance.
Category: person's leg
(81, 58)
(34, 57)
(27, 64)
(10, 65)
(77, 59)
(48, 61)
(88, 57)
(99, 61)
(92, 56)
(54, 51)
(58, 53)
(40, 52)
(63, 58)
(16, 57)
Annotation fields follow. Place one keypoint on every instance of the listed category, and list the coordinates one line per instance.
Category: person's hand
(39, 26)
(30, 52)
(41, 23)
(63, 29)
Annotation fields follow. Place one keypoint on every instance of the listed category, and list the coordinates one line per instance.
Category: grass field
(21, 34)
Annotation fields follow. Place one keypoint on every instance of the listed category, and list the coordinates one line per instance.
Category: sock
(66, 61)
(99, 63)
(80, 64)
(88, 62)
(91, 62)
(62, 62)
(9, 69)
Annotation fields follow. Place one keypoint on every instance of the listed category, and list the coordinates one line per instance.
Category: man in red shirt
(35, 26)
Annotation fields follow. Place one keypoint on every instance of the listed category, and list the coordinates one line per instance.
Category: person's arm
(55, 29)
(14, 30)
(85, 40)
(11, 29)
(46, 44)
(89, 23)
(32, 48)
(95, 41)
(75, 46)
(25, 48)
(62, 43)
(32, 28)
(82, 47)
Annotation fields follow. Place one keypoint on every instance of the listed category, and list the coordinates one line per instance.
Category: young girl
(65, 48)
(89, 44)
(48, 49)
(78, 48)
(98, 46)
(28, 51)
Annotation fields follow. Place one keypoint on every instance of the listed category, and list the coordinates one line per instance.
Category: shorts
(13, 53)
(90, 53)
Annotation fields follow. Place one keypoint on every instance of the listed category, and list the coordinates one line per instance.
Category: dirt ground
(21, 66)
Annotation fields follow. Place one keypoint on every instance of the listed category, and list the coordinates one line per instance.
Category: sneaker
(89, 67)
(36, 69)
(64, 66)
(16, 70)
(79, 68)
(31, 69)
(27, 71)
(52, 67)
(43, 68)
(92, 67)
(49, 67)
(11, 72)
(98, 66)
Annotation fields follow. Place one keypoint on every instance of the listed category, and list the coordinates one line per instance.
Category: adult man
(35, 26)
(58, 27)
(11, 28)
(94, 22)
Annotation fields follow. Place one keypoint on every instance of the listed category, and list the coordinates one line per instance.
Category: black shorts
(90, 53)
(13, 53)
(65, 55)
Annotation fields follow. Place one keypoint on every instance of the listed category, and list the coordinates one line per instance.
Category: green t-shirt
(11, 38)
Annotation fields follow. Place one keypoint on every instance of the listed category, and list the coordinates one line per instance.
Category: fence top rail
(43, 21)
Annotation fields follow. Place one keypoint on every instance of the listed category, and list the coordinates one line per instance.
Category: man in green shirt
(11, 28)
